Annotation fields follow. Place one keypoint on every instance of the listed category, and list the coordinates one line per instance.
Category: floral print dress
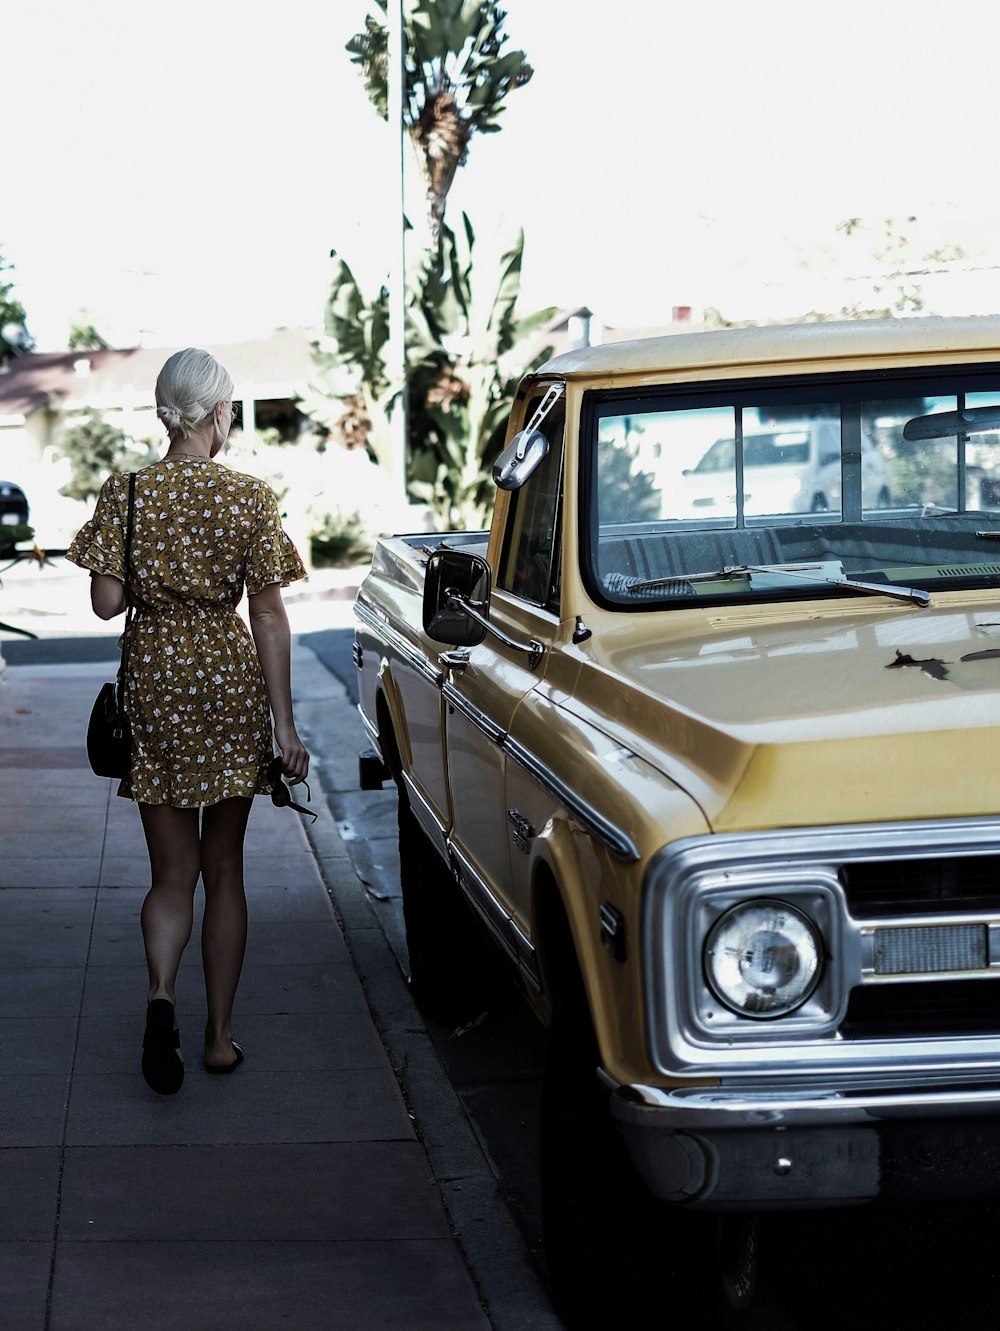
(195, 694)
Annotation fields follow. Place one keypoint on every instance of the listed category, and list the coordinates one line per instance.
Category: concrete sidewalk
(296, 1193)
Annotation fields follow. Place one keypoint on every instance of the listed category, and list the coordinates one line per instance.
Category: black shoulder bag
(109, 734)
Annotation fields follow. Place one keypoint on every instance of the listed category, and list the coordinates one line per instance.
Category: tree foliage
(466, 348)
(896, 288)
(14, 336)
(628, 493)
(892, 286)
(457, 77)
(83, 335)
(95, 448)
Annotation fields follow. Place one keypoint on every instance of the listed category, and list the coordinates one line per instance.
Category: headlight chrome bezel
(812, 895)
(691, 886)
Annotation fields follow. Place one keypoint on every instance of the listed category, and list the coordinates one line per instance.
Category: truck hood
(778, 718)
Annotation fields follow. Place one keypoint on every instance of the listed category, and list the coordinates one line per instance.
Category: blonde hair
(188, 389)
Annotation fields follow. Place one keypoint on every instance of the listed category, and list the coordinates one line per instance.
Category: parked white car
(789, 468)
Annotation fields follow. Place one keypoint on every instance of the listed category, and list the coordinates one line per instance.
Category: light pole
(396, 78)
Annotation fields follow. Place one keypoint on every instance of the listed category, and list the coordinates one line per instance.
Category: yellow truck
(717, 771)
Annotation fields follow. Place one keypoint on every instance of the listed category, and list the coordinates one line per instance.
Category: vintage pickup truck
(703, 733)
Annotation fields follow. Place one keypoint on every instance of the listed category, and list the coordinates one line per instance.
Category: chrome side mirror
(456, 598)
(519, 459)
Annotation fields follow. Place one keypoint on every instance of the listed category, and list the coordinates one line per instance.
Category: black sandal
(223, 1069)
(162, 1067)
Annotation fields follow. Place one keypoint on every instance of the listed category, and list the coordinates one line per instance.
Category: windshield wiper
(805, 572)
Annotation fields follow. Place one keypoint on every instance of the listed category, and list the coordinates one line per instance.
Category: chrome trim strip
(491, 910)
(372, 731)
(486, 905)
(839, 841)
(527, 956)
(426, 817)
(605, 831)
(454, 698)
(705, 1108)
(368, 616)
(483, 900)
(394, 639)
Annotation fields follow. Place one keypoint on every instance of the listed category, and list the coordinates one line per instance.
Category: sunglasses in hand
(280, 795)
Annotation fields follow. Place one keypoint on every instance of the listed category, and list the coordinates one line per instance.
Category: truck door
(489, 681)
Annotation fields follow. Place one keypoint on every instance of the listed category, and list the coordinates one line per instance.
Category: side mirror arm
(454, 601)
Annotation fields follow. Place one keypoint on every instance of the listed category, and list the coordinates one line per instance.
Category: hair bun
(170, 416)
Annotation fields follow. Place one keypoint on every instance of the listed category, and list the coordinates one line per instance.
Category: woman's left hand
(294, 756)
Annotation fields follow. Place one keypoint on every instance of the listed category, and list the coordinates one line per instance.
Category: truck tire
(614, 1252)
(454, 968)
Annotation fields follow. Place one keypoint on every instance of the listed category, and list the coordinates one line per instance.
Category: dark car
(13, 505)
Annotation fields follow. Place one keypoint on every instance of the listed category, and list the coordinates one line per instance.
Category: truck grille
(925, 1007)
(922, 886)
(919, 888)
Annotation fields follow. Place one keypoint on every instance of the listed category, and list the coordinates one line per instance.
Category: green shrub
(340, 540)
(14, 534)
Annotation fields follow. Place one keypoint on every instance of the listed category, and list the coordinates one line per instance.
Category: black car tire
(614, 1252)
(454, 968)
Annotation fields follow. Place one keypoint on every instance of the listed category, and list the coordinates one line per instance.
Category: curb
(513, 1294)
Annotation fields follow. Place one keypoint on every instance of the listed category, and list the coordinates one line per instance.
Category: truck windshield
(888, 482)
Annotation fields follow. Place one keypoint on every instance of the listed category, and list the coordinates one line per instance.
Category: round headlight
(762, 959)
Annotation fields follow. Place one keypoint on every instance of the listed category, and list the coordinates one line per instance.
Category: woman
(200, 692)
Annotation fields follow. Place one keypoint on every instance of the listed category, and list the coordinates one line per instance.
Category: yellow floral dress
(195, 694)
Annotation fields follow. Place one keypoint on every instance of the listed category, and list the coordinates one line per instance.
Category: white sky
(186, 169)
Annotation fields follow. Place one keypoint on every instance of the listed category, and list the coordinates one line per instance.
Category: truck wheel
(454, 968)
(613, 1251)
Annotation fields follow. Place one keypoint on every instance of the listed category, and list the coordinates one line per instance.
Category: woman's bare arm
(107, 595)
(273, 639)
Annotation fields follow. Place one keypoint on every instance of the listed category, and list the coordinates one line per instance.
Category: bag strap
(129, 606)
(128, 543)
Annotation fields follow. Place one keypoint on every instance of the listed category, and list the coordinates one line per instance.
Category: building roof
(273, 367)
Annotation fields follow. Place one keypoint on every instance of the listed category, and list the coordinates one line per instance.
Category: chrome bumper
(799, 1146)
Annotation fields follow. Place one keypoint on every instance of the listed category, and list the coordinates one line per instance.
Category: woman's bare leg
(175, 862)
(224, 929)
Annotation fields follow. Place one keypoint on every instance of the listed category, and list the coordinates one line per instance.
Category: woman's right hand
(294, 756)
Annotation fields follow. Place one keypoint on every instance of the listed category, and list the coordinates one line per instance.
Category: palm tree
(465, 345)
(457, 79)
(466, 349)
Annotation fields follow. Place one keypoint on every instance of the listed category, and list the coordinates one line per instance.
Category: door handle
(456, 660)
